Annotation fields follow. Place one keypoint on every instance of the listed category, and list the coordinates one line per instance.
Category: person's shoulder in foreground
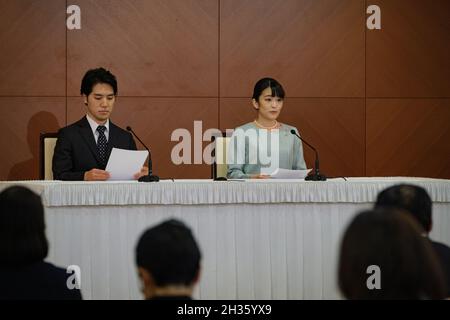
(37, 281)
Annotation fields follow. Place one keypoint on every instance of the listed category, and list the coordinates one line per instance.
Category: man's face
(100, 102)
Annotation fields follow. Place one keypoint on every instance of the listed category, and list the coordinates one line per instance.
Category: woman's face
(268, 107)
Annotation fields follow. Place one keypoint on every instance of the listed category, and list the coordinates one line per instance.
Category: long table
(262, 239)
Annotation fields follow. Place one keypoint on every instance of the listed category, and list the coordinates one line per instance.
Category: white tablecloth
(276, 239)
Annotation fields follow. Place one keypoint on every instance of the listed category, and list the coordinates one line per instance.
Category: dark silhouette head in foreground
(416, 202)
(23, 247)
(168, 260)
(384, 256)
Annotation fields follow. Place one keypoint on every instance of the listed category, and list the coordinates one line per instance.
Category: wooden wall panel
(314, 48)
(408, 137)
(155, 48)
(409, 56)
(33, 48)
(154, 120)
(172, 57)
(335, 127)
(22, 120)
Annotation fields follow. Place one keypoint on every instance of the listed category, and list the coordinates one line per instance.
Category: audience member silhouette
(168, 260)
(416, 201)
(23, 247)
(384, 256)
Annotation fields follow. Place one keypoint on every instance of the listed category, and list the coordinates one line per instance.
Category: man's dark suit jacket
(38, 281)
(76, 151)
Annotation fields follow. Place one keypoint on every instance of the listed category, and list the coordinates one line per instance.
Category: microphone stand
(150, 177)
(316, 176)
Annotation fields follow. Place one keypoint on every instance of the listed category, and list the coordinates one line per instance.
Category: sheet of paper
(124, 164)
(289, 174)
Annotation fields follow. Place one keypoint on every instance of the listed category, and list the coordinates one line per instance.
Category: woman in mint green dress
(259, 147)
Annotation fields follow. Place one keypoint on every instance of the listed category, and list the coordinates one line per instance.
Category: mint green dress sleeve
(235, 169)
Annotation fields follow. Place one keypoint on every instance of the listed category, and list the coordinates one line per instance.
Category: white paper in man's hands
(124, 164)
(280, 173)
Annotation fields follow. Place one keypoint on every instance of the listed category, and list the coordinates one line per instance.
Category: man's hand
(143, 172)
(96, 175)
(260, 176)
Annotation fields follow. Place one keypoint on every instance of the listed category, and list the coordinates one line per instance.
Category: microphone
(316, 176)
(150, 177)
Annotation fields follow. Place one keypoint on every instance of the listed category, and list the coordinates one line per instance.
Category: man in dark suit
(416, 201)
(83, 148)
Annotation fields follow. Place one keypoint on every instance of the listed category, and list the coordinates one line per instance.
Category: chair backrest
(220, 167)
(46, 149)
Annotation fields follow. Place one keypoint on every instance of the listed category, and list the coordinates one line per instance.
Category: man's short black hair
(22, 227)
(411, 198)
(95, 76)
(170, 253)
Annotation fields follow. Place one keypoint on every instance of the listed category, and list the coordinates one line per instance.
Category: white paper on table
(280, 173)
(124, 164)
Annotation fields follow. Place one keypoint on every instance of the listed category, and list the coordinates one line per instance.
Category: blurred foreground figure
(168, 261)
(23, 248)
(384, 256)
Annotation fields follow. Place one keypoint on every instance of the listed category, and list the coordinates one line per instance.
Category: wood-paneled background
(374, 102)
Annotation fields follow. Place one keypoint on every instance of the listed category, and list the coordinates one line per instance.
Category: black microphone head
(293, 131)
(128, 128)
